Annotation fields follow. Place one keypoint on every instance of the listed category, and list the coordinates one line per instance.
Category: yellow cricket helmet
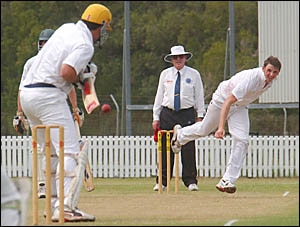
(98, 14)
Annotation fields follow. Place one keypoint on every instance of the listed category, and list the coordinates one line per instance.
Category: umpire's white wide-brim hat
(178, 50)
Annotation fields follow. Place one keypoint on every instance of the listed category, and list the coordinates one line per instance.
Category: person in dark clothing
(182, 83)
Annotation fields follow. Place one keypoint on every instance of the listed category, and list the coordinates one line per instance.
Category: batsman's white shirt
(70, 44)
(246, 86)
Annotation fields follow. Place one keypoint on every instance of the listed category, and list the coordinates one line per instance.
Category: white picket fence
(136, 156)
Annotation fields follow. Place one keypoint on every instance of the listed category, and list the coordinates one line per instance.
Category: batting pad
(76, 182)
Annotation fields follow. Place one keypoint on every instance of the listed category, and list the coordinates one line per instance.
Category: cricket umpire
(179, 98)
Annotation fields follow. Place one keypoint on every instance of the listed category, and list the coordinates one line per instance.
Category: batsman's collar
(178, 50)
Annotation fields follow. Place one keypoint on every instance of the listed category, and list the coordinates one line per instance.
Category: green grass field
(131, 202)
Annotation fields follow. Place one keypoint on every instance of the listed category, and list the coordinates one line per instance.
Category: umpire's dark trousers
(168, 119)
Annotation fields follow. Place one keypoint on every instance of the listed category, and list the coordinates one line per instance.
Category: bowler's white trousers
(238, 126)
(49, 106)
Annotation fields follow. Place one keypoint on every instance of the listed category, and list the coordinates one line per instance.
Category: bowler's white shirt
(246, 86)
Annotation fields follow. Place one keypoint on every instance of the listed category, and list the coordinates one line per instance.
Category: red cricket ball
(105, 108)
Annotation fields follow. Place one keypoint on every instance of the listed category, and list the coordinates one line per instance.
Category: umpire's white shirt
(191, 91)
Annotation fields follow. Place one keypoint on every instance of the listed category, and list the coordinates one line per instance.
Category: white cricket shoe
(156, 187)
(42, 190)
(226, 186)
(75, 215)
(193, 187)
(176, 147)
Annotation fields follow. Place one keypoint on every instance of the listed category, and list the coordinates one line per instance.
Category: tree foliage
(201, 26)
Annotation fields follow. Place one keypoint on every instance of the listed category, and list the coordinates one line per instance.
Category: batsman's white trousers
(238, 126)
(49, 106)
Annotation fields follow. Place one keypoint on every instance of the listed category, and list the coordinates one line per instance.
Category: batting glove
(93, 68)
(85, 76)
(78, 115)
(89, 72)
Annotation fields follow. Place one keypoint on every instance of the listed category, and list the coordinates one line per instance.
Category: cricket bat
(89, 96)
(88, 177)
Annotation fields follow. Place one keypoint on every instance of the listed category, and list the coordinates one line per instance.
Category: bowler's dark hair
(273, 61)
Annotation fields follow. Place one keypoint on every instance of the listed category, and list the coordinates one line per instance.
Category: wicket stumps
(48, 173)
(168, 153)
